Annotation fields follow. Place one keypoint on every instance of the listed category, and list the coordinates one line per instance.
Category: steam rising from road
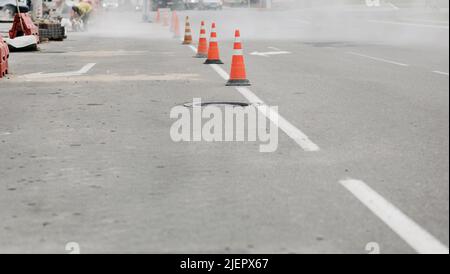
(418, 22)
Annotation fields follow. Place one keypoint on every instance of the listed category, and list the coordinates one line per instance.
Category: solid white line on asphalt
(409, 24)
(378, 59)
(294, 133)
(5, 133)
(441, 72)
(417, 237)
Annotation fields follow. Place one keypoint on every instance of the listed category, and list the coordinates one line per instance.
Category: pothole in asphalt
(217, 104)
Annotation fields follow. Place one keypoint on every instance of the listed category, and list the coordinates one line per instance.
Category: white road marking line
(5, 133)
(85, 69)
(269, 53)
(426, 21)
(417, 237)
(409, 24)
(378, 59)
(294, 133)
(303, 21)
(441, 72)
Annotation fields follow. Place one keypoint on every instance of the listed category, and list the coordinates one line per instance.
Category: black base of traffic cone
(201, 56)
(238, 83)
(210, 61)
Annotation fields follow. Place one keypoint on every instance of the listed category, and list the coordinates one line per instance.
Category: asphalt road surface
(86, 154)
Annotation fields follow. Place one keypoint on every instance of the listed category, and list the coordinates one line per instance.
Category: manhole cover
(217, 104)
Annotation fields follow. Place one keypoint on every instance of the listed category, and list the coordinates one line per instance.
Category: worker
(83, 11)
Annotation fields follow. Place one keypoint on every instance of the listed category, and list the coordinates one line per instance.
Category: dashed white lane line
(394, 7)
(441, 72)
(378, 59)
(416, 237)
(410, 24)
(269, 53)
(297, 135)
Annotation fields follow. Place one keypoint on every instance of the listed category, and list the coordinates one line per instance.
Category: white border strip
(417, 237)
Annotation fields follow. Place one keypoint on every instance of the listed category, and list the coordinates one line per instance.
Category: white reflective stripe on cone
(238, 52)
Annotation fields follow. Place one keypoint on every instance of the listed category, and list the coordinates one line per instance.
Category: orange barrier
(202, 50)
(213, 51)
(238, 75)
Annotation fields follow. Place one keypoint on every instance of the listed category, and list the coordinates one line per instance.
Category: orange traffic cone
(165, 20)
(187, 33)
(213, 51)
(158, 17)
(238, 75)
(176, 28)
(202, 50)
